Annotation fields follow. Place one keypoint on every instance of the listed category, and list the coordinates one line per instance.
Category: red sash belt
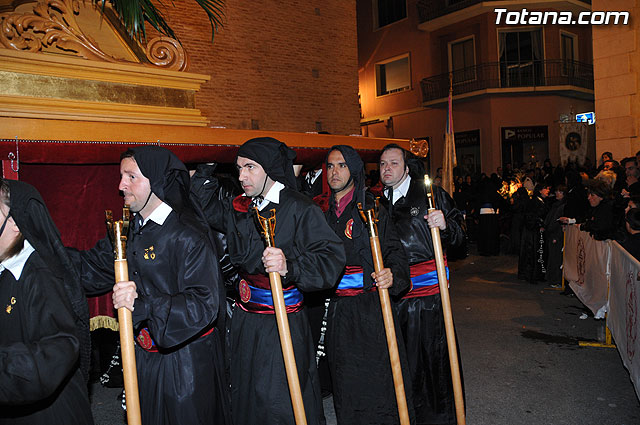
(255, 295)
(424, 279)
(352, 282)
(147, 343)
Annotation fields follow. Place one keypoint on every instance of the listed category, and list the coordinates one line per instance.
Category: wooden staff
(446, 310)
(117, 232)
(267, 227)
(370, 217)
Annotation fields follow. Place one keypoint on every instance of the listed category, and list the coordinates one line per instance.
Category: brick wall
(616, 62)
(279, 65)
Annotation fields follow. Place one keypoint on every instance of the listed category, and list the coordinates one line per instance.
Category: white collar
(401, 190)
(273, 195)
(311, 179)
(16, 263)
(159, 215)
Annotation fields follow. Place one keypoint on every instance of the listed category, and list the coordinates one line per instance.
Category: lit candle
(427, 182)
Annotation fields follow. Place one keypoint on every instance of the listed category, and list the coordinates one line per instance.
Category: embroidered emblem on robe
(414, 211)
(245, 291)
(149, 254)
(348, 231)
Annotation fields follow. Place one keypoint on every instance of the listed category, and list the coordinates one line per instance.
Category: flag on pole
(449, 158)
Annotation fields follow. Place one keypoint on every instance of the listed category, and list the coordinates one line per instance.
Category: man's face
(338, 173)
(135, 186)
(253, 178)
(10, 233)
(631, 169)
(559, 195)
(608, 165)
(393, 170)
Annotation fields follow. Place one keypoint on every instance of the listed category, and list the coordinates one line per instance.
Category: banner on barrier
(624, 309)
(585, 268)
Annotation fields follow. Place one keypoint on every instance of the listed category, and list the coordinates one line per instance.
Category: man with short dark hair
(420, 311)
(174, 293)
(357, 352)
(307, 255)
(44, 336)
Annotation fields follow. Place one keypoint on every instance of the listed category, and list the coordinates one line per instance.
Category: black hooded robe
(421, 318)
(43, 327)
(315, 259)
(175, 268)
(356, 344)
(40, 381)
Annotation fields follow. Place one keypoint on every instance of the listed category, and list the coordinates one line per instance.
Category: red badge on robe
(241, 203)
(144, 339)
(245, 291)
(349, 229)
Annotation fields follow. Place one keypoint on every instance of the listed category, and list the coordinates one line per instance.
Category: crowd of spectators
(522, 210)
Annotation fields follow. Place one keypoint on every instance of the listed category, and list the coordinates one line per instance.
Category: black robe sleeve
(183, 297)
(317, 256)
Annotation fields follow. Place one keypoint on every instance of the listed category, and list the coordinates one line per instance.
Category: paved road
(520, 355)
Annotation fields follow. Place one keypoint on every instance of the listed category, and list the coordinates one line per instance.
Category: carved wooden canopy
(77, 27)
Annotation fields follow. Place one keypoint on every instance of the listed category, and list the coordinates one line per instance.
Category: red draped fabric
(77, 196)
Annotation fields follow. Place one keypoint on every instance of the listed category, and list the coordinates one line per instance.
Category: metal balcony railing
(533, 73)
(432, 9)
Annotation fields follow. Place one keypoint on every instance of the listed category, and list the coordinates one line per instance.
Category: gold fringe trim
(105, 322)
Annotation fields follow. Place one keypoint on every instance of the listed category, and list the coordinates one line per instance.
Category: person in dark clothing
(631, 242)
(309, 257)
(420, 309)
(363, 388)
(44, 337)
(577, 204)
(488, 203)
(531, 260)
(175, 294)
(599, 220)
(519, 201)
(554, 237)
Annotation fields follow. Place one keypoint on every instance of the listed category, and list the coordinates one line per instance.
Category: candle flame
(427, 180)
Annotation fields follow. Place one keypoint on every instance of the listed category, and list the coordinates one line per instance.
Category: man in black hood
(420, 310)
(307, 255)
(357, 352)
(44, 342)
(174, 292)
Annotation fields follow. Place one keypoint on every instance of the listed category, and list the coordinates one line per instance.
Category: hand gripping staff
(370, 217)
(117, 231)
(266, 227)
(446, 309)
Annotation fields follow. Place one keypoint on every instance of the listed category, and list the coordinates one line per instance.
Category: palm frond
(134, 13)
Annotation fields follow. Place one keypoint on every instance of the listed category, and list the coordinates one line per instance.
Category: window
(393, 76)
(389, 11)
(568, 44)
(521, 58)
(462, 60)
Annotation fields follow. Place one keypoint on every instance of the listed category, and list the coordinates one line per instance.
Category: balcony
(433, 14)
(548, 74)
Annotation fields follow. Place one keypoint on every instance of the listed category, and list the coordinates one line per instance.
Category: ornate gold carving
(53, 23)
(167, 53)
(419, 147)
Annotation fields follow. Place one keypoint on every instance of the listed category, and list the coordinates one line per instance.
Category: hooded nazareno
(34, 221)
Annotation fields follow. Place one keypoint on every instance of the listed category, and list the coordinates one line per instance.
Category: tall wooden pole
(443, 284)
(118, 233)
(267, 225)
(370, 219)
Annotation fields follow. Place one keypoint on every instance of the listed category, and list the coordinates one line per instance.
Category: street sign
(588, 117)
